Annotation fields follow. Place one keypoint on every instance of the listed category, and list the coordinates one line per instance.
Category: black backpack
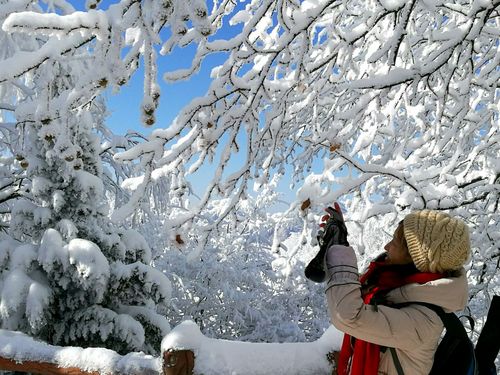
(455, 353)
(488, 343)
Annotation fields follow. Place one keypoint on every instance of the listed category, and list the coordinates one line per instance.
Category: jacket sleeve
(402, 328)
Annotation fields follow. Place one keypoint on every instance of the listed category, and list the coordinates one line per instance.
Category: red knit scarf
(363, 358)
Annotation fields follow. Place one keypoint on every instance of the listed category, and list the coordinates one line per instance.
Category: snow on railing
(185, 350)
(19, 352)
(225, 357)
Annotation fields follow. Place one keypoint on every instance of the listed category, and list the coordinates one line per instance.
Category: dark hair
(399, 234)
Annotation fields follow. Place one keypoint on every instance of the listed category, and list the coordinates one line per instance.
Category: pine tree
(68, 275)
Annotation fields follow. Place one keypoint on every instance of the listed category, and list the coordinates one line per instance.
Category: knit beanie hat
(436, 241)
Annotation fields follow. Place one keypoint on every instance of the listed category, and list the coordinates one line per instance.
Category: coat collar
(451, 293)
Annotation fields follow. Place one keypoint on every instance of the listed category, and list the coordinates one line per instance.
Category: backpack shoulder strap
(450, 321)
(397, 363)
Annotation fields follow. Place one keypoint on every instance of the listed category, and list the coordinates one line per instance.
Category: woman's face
(397, 252)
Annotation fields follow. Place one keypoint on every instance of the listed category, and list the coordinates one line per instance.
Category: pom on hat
(436, 241)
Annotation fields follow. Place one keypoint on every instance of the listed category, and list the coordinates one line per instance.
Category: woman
(423, 263)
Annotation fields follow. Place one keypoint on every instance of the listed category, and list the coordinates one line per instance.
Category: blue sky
(124, 106)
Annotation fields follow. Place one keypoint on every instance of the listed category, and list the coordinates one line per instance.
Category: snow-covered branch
(405, 92)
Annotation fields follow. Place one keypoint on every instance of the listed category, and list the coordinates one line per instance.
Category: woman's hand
(332, 229)
(332, 232)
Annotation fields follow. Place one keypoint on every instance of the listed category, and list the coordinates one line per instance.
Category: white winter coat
(414, 330)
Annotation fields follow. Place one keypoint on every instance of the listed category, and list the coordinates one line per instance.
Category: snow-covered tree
(68, 275)
(395, 92)
(399, 98)
(247, 283)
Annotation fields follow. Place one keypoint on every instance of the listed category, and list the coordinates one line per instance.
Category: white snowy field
(212, 356)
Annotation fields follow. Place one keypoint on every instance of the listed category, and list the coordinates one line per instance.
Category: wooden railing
(185, 351)
(175, 362)
(44, 368)
(178, 362)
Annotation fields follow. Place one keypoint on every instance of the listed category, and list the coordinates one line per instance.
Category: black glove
(333, 232)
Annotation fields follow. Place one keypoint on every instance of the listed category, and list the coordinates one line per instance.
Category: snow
(41, 185)
(132, 35)
(392, 5)
(241, 17)
(135, 242)
(88, 259)
(23, 256)
(67, 229)
(132, 183)
(42, 215)
(146, 313)
(20, 347)
(89, 184)
(36, 302)
(212, 356)
(24, 61)
(221, 357)
(13, 292)
(126, 326)
(152, 278)
(51, 250)
(58, 200)
(53, 24)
